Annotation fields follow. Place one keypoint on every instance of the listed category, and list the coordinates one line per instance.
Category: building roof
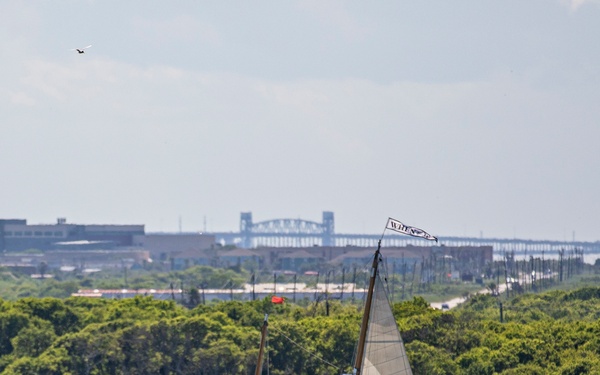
(82, 242)
(236, 253)
(300, 254)
(394, 254)
(193, 253)
(399, 253)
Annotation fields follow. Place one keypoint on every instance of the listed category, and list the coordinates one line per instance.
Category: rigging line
(306, 350)
(385, 273)
(367, 265)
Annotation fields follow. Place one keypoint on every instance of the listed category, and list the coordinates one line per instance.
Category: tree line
(556, 332)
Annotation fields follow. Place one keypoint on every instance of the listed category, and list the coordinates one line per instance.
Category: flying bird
(81, 50)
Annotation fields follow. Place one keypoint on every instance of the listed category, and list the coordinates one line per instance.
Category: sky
(463, 118)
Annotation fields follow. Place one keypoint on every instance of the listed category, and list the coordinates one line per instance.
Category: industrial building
(101, 245)
(17, 235)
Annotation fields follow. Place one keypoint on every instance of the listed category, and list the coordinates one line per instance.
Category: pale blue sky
(458, 117)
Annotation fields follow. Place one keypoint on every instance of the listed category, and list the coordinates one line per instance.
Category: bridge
(304, 233)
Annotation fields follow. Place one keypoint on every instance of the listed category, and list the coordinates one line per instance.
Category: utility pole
(343, 277)
(543, 273)
(506, 278)
(295, 276)
(532, 264)
(421, 274)
(317, 286)
(353, 283)
(412, 283)
(327, 293)
(403, 278)
(561, 253)
(393, 280)
(525, 270)
(497, 273)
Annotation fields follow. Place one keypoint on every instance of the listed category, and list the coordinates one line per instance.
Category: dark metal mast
(360, 352)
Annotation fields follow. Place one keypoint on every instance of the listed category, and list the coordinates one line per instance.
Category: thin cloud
(335, 14)
(576, 4)
(21, 99)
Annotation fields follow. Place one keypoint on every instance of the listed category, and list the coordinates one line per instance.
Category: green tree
(11, 322)
(33, 339)
(426, 359)
(53, 310)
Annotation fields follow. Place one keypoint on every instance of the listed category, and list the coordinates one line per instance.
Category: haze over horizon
(461, 118)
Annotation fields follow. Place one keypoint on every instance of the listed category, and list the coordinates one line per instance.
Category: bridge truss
(303, 233)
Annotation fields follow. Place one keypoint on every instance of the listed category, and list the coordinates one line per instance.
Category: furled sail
(384, 352)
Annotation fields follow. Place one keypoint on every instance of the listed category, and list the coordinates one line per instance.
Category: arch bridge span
(305, 233)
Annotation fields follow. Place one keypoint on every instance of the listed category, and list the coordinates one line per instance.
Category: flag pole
(382, 234)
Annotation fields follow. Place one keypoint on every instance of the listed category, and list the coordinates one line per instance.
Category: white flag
(411, 231)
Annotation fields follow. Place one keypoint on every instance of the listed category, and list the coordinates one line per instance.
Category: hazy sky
(464, 118)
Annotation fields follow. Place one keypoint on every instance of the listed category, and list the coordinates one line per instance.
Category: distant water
(587, 258)
(590, 258)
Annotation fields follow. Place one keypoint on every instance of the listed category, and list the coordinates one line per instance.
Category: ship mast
(360, 353)
(261, 351)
